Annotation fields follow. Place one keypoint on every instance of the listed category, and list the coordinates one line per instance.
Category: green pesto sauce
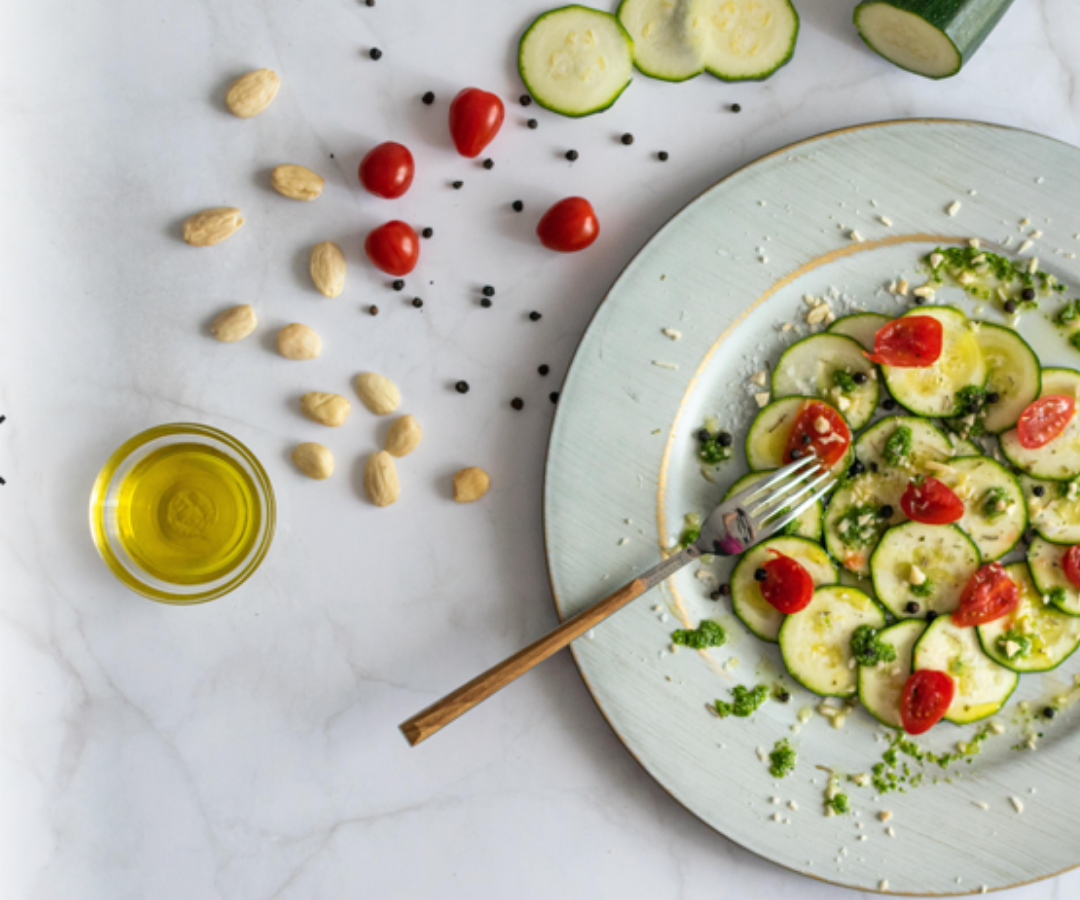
(844, 381)
(896, 774)
(898, 446)
(923, 590)
(782, 759)
(839, 804)
(1013, 277)
(743, 702)
(854, 534)
(869, 649)
(707, 634)
(691, 529)
(1012, 636)
(994, 503)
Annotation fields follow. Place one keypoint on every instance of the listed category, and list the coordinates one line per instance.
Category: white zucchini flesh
(576, 61)
(1013, 373)
(664, 45)
(862, 327)
(907, 40)
(744, 40)
(881, 686)
(932, 391)
(1054, 635)
(1045, 560)
(816, 641)
(808, 525)
(759, 616)
(971, 478)
(944, 555)
(1055, 515)
(808, 369)
(929, 444)
(1059, 460)
(870, 489)
(964, 447)
(982, 685)
(767, 438)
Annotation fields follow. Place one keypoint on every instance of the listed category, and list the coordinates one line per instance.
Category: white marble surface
(248, 748)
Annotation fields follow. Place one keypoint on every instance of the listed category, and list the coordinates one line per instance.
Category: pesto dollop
(869, 649)
(743, 702)
(923, 590)
(707, 634)
(994, 503)
(860, 525)
(782, 759)
(897, 449)
(838, 804)
(1013, 644)
(844, 381)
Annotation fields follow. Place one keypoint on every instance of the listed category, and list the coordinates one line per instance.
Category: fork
(749, 517)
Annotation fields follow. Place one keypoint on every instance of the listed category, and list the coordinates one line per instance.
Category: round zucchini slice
(982, 685)
(808, 525)
(964, 447)
(1013, 373)
(824, 366)
(1048, 575)
(1034, 637)
(761, 617)
(853, 522)
(816, 641)
(863, 327)
(927, 444)
(767, 438)
(1058, 460)
(913, 555)
(576, 61)
(995, 514)
(1054, 509)
(936, 390)
(881, 686)
(745, 40)
(665, 46)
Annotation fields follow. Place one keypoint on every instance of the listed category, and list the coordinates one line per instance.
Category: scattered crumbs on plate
(655, 431)
(886, 221)
(1017, 803)
(672, 333)
(776, 817)
(890, 831)
(1040, 180)
(983, 889)
(973, 193)
(663, 277)
(795, 729)
(885, 815)
(958, 879)
(657, 608)
(663, 617)
(953, 208)
(762, 754)
(662, 654)
(624, 541)
(1036, 234)
(792, 805)
(665, 365)
(1031, 790)
(883, 885)
(628, 521)
(591, 634)
(674, 648)
(855, 236)
(863, 837)
(775, 801)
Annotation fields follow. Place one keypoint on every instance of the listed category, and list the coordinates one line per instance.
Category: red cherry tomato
(787, 587)
(475, 118)
(931, 502)
(1071, 565)
(926, 698)
(1044, 420)
(393, 247)
(387, 170)
(570, 225)
(989, 594)
(820, 429)
(911, 342)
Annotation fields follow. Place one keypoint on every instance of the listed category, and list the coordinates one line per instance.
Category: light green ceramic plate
(727, 273)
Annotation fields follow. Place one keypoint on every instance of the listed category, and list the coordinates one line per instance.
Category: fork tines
(783, 496)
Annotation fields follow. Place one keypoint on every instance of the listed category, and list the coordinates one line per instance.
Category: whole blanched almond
(212, 226)
(328, 268)
(403, 436)
(380, 479)
(470, 484)
(314, 460)
(378, 393)
(250, 94)
(234, 324)
(327, 409)
(296, 182)
(298, 341)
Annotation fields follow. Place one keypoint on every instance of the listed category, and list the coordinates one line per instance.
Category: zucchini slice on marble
(744, 40)
(665, 47)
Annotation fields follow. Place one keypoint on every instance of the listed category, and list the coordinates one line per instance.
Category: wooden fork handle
(443, 712)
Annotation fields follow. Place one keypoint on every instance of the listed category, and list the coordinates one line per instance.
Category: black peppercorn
(724, 439)
(1049, 712)
(398, 285)
(427, 232)
(458, 185)
(1027, 294)
(1038, 490)
(462, 387)
(375, 53)
(517, 403)
(805, 439)
(627, 139)
(993, 397)
(662, 156)
(919, 301)
(703, 435)
(373, 309)
(428, 98)
(485, 302)
(736, 108)
(554, 396)
(886, 512)
(783, 696)
(544, 369)
(532, 123)
(1010, 306)
(889, 404)
(534, 316)
(517, 206)
(796, 454)
(931, 615)
(859, 378)
(571, 155)
(488, 290)
(856, 468)
(873, 466)
(489, 163)
(714, 595)
(525, 100)
(725, 589)
(370, 2)
(760, 575)
(417, 302)
(911, 607)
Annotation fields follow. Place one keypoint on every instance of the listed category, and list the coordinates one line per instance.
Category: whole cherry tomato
(570, 225)
(910, 342)
(931, 502)
(475, 118)
(817, 429)
(787, 586)
(989, 594)
(393, 247)
(387, 170)
(926, 698)
(1071, 565)
(1044, 420)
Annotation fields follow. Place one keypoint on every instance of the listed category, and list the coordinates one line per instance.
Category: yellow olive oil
(188, 514)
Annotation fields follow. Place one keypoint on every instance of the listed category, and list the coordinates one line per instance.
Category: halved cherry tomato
(387, 170)
(931, 502)
(926, 698)
(1071, 565)
(989, 594)
(393, 247)
(1044, 420)
(820, 429)
(910, 342)
(570, 225)
(475, 118)
(787, 587)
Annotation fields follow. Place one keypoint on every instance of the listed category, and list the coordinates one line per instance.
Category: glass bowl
(231, 509)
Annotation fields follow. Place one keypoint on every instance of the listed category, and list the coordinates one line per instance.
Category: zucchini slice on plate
(761, 617)
(937, 390)
(982, 685)
(1058, 460)
(767, 438)
(744, 40)
(925, 564)
(933, 38)
(576, 61)
(1013, 373)
(808, 525)
(826, 366)
(964, 447)
(927, 444)
(1054, 508)
(816, 641)
(853, 521)
(863, 327)
(1048, 575)
(1034, 637)
(881, 686)
(664, 45)
(995, 514)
